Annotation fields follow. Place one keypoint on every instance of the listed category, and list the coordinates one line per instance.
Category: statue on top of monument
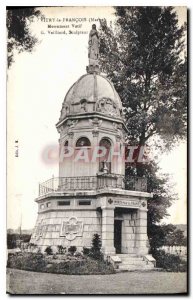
(93, 46)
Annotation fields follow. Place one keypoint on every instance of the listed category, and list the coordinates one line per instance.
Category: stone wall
(50, 229)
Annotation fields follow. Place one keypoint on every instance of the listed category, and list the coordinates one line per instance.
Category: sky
(37, 83)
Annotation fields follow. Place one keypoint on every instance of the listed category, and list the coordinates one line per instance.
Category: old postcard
(96, 147)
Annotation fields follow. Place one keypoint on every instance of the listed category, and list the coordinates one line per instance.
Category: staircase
(132, 262)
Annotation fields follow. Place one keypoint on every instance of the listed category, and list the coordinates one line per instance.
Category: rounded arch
(106, 142)
(83, 142)
(105, 160)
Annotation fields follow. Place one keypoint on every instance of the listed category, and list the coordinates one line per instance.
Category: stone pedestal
(108, 230)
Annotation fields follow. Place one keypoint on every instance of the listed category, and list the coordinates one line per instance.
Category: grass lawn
(25, 282)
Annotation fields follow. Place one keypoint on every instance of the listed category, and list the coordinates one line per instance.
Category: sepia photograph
(96, 150)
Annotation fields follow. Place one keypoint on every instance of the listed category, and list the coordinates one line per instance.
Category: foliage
(95, 251)
(142, 56)
(49, 250)
(72, 250)
(11, 241)
(61, 249)
(38, 262)
(160, 185)
(26, 261)
(158, 235)
(32, 245)
(13, 238)
(142, 53)
(169, 262)
(86, 267)
(165, 235)
(176, 238)
(19, 36)
(85, 251)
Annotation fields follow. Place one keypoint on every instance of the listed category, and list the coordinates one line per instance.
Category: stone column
(95, 162)
(141, 232)
(69, 164)
(108, 230)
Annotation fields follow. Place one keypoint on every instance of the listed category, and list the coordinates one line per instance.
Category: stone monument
(89, 196)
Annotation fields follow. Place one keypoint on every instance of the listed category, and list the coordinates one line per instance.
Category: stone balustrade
(101, 181)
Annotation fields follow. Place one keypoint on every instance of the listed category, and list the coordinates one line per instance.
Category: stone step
(135, 267)
(128, 255)
(134, 262)
(139, 270)
(131, 258)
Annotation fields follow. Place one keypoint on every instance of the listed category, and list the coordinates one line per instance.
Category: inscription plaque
(71, 229)
(127, 203)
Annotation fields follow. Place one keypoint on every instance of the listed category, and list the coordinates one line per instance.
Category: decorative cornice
(89, 116)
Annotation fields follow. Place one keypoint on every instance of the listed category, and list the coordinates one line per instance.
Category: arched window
(105, 160)
(83, 142)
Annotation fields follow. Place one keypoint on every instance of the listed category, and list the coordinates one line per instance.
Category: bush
(14, 238)
(86, 251)
(169, 262)
(61, 249)
(40, 263)
(95, 251)
(78, 254)
(72, 250)
(48, 250)
(26, 261)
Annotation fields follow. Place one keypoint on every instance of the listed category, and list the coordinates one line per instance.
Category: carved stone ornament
(72, 123)
(96, 122)
(107, 106)
(118, 127)
(64, 111)
(110, 201)
(59, 129)
(95, 133)
(71, 229)
(83, 105)
(70, 134)
(39, 230)
(118, 138)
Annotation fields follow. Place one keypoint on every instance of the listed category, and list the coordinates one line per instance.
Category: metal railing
(59, 184)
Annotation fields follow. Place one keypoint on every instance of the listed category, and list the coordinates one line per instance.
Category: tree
(48, 250)
(158, 235)
(61, 249)
(176, 238)
(142, 57)
(13, 238)
(95, 251)
(165, 235)
(142, 54)
(72, 250)
(19, 36)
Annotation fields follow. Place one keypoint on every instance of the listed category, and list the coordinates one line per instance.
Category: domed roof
(92, 93)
